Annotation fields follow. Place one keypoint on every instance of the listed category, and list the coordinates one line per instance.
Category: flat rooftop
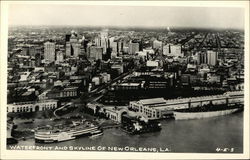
(152, 101)
(129, 84)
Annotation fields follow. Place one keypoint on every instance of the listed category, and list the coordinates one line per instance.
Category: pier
(157, 108)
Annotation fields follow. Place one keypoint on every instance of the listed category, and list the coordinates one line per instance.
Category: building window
(158, 114)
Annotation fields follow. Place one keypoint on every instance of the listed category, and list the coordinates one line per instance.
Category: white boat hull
(199, 115)
(62, 136)
(96, 135)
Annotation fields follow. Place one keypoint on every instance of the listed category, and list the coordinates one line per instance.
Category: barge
(207, 111)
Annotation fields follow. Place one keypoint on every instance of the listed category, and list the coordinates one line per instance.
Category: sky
(131, 16)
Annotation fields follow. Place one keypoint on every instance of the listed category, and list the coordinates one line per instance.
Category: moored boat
(135, 125)
(96, 133)
(59, 133)
(206, 111)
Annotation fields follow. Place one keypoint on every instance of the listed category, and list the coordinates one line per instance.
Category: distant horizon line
(120, 26)
(124, 26)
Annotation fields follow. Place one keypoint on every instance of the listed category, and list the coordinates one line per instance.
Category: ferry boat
(135, 125)
(59, 133)
(207, 111)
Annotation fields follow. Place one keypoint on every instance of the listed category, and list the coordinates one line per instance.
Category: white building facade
(32, 106)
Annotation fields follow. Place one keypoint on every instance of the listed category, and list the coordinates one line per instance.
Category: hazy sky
(126, 16)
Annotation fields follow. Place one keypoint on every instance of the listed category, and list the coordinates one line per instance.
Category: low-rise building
(32, 106)
(62, 92)
(118, 68)
(159, 107)
(112, 112)
(152, 63)
(127, 86)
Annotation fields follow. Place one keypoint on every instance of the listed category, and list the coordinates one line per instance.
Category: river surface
(210, 135)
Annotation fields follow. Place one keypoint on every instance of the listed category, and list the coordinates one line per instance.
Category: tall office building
(38, 60)
(166, 49)
(114, 46)
(176, 50)
(133, 48)
(212, 58)
(157, 44)
(104, 44)
(97, 41)
(120, 46)
(202, 58)
(49, 51)
(104, 40)
(172, 50)
(59, 56)
(67, 37)
(112, 43)
(104, 33)
(95, 52)
(73, 45)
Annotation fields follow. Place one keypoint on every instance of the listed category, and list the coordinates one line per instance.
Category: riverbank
(191, 136)
(25, 127)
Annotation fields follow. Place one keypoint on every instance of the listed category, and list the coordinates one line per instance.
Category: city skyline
(164, 16)
(147, 77)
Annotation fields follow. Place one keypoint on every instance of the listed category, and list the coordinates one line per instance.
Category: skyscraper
(166, 50)
(202, 58)
(59, 56)
(157, 44)
(73, 45)
(114, 46)
(212, 58)
(49, 51)
(176, 50)
(95, 52)
(133, 48)
(104, 40)
(172, 50)
(97, 41)
(67, 37)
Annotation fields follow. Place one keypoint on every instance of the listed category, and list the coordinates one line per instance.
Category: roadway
(202, 43)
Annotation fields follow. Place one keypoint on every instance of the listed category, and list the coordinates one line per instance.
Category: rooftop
(152, 101)
(129, 84)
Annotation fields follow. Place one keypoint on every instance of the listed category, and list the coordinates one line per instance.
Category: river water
(210, 135)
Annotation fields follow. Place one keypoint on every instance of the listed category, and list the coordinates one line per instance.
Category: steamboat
(59, 133)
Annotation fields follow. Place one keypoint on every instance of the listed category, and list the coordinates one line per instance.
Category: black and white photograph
(139, 78)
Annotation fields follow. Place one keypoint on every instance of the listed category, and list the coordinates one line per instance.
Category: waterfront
(196, 136)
